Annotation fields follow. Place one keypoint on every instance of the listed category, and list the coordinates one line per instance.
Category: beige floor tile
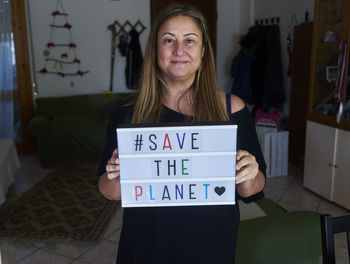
(250, 211)
(69, 248)
(334, 210)
(275, 187)
(297, 197)
(13, 252)
(115, 223)
(44, 257)
(115, 236)
(103, 253)
(341, 251)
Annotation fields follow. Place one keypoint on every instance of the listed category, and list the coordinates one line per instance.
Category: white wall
(234, 19)
(89, 20)
(91, 17)
(226, 40)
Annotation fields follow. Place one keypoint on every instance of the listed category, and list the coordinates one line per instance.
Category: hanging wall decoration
(60, 52)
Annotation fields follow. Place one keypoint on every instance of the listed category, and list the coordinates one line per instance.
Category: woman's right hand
(109, 182)
(112, 167)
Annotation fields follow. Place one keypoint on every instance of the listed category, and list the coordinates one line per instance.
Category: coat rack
(267, 21)
(117, 29)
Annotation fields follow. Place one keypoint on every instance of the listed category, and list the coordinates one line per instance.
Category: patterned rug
(66, 203)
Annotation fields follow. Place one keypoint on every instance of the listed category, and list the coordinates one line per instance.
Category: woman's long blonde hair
(206, 102)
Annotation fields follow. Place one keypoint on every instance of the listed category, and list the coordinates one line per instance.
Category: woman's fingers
(115, 152)
(243, 159)
(113, 175)
(246, 166)
(112, 167)
(247, 173)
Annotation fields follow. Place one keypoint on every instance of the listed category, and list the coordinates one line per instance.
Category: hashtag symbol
(138, 142)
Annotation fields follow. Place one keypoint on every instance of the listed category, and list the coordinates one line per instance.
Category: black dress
(188, 234)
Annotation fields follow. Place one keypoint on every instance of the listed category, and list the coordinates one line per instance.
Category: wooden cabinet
(341, 193)
(327, 165)
(329, 93)
(319, 155)
(327, 148)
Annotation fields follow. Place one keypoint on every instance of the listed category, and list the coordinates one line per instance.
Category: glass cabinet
(327, 148)
(329, 100)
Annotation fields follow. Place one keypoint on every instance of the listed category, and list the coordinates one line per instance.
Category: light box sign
(177, 165)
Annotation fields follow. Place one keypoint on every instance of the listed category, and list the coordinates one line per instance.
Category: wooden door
(300, 78)
(208, 7)
(24, 92)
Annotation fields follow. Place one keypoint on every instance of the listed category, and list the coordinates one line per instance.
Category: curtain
(7, 72)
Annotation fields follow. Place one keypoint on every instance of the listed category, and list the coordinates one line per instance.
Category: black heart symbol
(220, 190)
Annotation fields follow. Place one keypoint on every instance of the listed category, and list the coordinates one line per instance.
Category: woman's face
(180, 49)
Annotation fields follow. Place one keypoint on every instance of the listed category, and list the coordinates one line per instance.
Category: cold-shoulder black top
(185, 234)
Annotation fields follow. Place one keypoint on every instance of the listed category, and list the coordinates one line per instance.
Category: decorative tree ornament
(61, 50)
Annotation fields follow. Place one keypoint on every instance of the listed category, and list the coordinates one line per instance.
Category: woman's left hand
(246, 166)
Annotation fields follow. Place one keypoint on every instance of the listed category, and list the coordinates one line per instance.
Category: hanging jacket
(240, 71)
(267, 89)
(134, 60)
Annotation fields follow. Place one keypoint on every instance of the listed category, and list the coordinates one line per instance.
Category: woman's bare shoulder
(237, 103)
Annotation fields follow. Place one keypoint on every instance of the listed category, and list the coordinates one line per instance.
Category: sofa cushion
(75, 137)
(72, 126)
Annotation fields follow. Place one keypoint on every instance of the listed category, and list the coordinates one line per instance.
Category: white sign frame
(174, 164)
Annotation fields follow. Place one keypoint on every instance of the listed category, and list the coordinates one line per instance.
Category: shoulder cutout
(237, 103)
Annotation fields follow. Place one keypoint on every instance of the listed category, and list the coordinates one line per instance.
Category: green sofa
(72, 127)
(279, 237)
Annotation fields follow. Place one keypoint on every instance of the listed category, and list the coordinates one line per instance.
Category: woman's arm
(249, 179)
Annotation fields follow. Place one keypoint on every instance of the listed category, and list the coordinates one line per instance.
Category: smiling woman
(178, 84)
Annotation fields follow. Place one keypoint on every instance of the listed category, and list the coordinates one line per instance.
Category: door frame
(24, 92)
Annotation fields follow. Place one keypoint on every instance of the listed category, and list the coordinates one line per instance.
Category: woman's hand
(249, 179)
(112, 167)
(246, 166)
(109, 182)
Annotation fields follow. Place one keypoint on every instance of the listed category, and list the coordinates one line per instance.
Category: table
(9, 163)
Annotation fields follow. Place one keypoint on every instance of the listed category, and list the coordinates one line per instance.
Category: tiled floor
(287, 191)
